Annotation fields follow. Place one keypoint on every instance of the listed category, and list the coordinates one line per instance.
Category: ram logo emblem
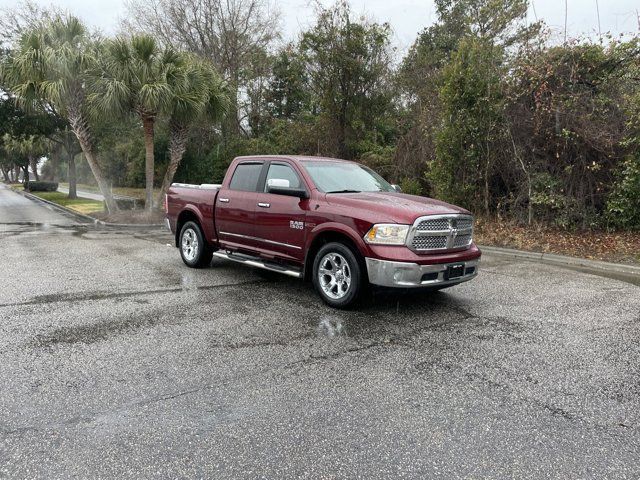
(296, 225)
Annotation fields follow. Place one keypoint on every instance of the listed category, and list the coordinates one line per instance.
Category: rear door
(235, 206)
(280, 219)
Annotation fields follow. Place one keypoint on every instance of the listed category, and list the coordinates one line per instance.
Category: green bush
(623, 206)
(41, 186)
(411, 186)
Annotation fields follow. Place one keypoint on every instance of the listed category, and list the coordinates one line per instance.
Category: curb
(87, 219)
(563, 260)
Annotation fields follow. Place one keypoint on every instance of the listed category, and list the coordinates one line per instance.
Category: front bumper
(410, 275)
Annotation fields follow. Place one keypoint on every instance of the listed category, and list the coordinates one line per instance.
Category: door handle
(224, 200)
(264, 205)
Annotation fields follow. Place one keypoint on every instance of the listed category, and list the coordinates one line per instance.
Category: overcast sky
(407, 17)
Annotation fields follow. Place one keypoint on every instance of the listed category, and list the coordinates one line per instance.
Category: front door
(280, 219)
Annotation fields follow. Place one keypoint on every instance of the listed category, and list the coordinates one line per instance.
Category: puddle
(93, 333)
(331, 326)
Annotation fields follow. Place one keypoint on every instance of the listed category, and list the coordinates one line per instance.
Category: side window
(245, 177)
(284, 172)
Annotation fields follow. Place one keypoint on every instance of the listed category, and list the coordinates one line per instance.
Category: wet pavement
(118, 361)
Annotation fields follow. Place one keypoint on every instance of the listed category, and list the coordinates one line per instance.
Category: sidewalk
(93, 195)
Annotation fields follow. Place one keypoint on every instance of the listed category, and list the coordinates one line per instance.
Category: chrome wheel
(334, 275)
(190, 244)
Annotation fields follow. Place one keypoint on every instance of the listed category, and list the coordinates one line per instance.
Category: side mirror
(396, 188)
(281, 186)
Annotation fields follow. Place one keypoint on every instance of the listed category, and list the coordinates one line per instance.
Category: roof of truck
(293, 157)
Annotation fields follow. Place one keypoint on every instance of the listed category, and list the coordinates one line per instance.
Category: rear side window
(284, 172)
(245, 177)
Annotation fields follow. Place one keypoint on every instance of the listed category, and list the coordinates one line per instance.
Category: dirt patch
(134, 217)
(618, 247)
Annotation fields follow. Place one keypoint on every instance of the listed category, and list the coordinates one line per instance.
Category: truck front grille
(438, 233)
(429, 242)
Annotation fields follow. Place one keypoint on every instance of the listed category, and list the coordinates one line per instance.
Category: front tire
(194, 249)
(337, 275)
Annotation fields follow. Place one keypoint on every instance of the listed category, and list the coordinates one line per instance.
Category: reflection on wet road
(118, 361)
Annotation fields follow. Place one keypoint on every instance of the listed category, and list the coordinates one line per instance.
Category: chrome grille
(462, 241)
(434, 225)
(441, 233)
(465, 223)
(428, 242)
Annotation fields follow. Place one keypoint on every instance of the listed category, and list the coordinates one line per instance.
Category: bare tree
(24, 16)
(226, 32)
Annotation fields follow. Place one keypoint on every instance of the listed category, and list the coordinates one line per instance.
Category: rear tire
(337, 275)
(194, 249)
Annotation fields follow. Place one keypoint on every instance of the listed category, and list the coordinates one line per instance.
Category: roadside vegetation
(487, 109)
(618, 246)
(133, 192)
(80, 205)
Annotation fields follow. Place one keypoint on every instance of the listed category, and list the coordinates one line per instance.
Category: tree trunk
(177, 145)
(54, 163)
(5, 173)
(70, 146)
(147, 124)
(486, 181)
(25, 176)
(230, 126)
(33, 162)
(72, 176)
(527, 172)
(80, 127)
(16, 170)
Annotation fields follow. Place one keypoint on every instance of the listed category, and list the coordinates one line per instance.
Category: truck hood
(391, 206)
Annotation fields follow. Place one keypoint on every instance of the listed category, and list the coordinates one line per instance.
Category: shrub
(41, 186)
(411, 186)
(623, 206)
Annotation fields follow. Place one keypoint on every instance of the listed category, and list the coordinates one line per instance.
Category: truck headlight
(387, 234)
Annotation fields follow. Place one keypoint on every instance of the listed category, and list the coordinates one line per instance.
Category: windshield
(345, 177)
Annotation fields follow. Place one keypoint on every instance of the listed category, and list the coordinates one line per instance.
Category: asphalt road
(118, 361)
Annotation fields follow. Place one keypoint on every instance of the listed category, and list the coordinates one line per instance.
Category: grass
(80, 205)
(125, 191)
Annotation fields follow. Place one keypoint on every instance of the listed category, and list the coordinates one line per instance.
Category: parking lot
(117, 360)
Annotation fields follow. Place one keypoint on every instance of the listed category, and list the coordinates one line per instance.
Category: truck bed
(185, 198)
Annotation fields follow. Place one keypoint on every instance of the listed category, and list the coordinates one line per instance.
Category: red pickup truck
(333, 221)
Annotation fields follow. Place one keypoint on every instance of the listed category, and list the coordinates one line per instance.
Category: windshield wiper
(345, 191)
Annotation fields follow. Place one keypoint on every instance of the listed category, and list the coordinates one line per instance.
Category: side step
(259, 263)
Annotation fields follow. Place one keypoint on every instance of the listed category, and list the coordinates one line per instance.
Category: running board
(259, 263)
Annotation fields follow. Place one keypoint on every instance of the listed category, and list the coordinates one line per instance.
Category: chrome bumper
(167, 224)
(408, 275)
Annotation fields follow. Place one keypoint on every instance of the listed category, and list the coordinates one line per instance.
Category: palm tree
(53, 65)
(15, 151)
(26, 151)
(67, 141)
(34, 148)
(136, 78)
(198, 94)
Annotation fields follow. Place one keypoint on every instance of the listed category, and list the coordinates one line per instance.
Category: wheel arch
(186, 215)
(327, 236)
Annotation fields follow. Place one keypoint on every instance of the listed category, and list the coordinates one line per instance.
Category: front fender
(340, 228)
